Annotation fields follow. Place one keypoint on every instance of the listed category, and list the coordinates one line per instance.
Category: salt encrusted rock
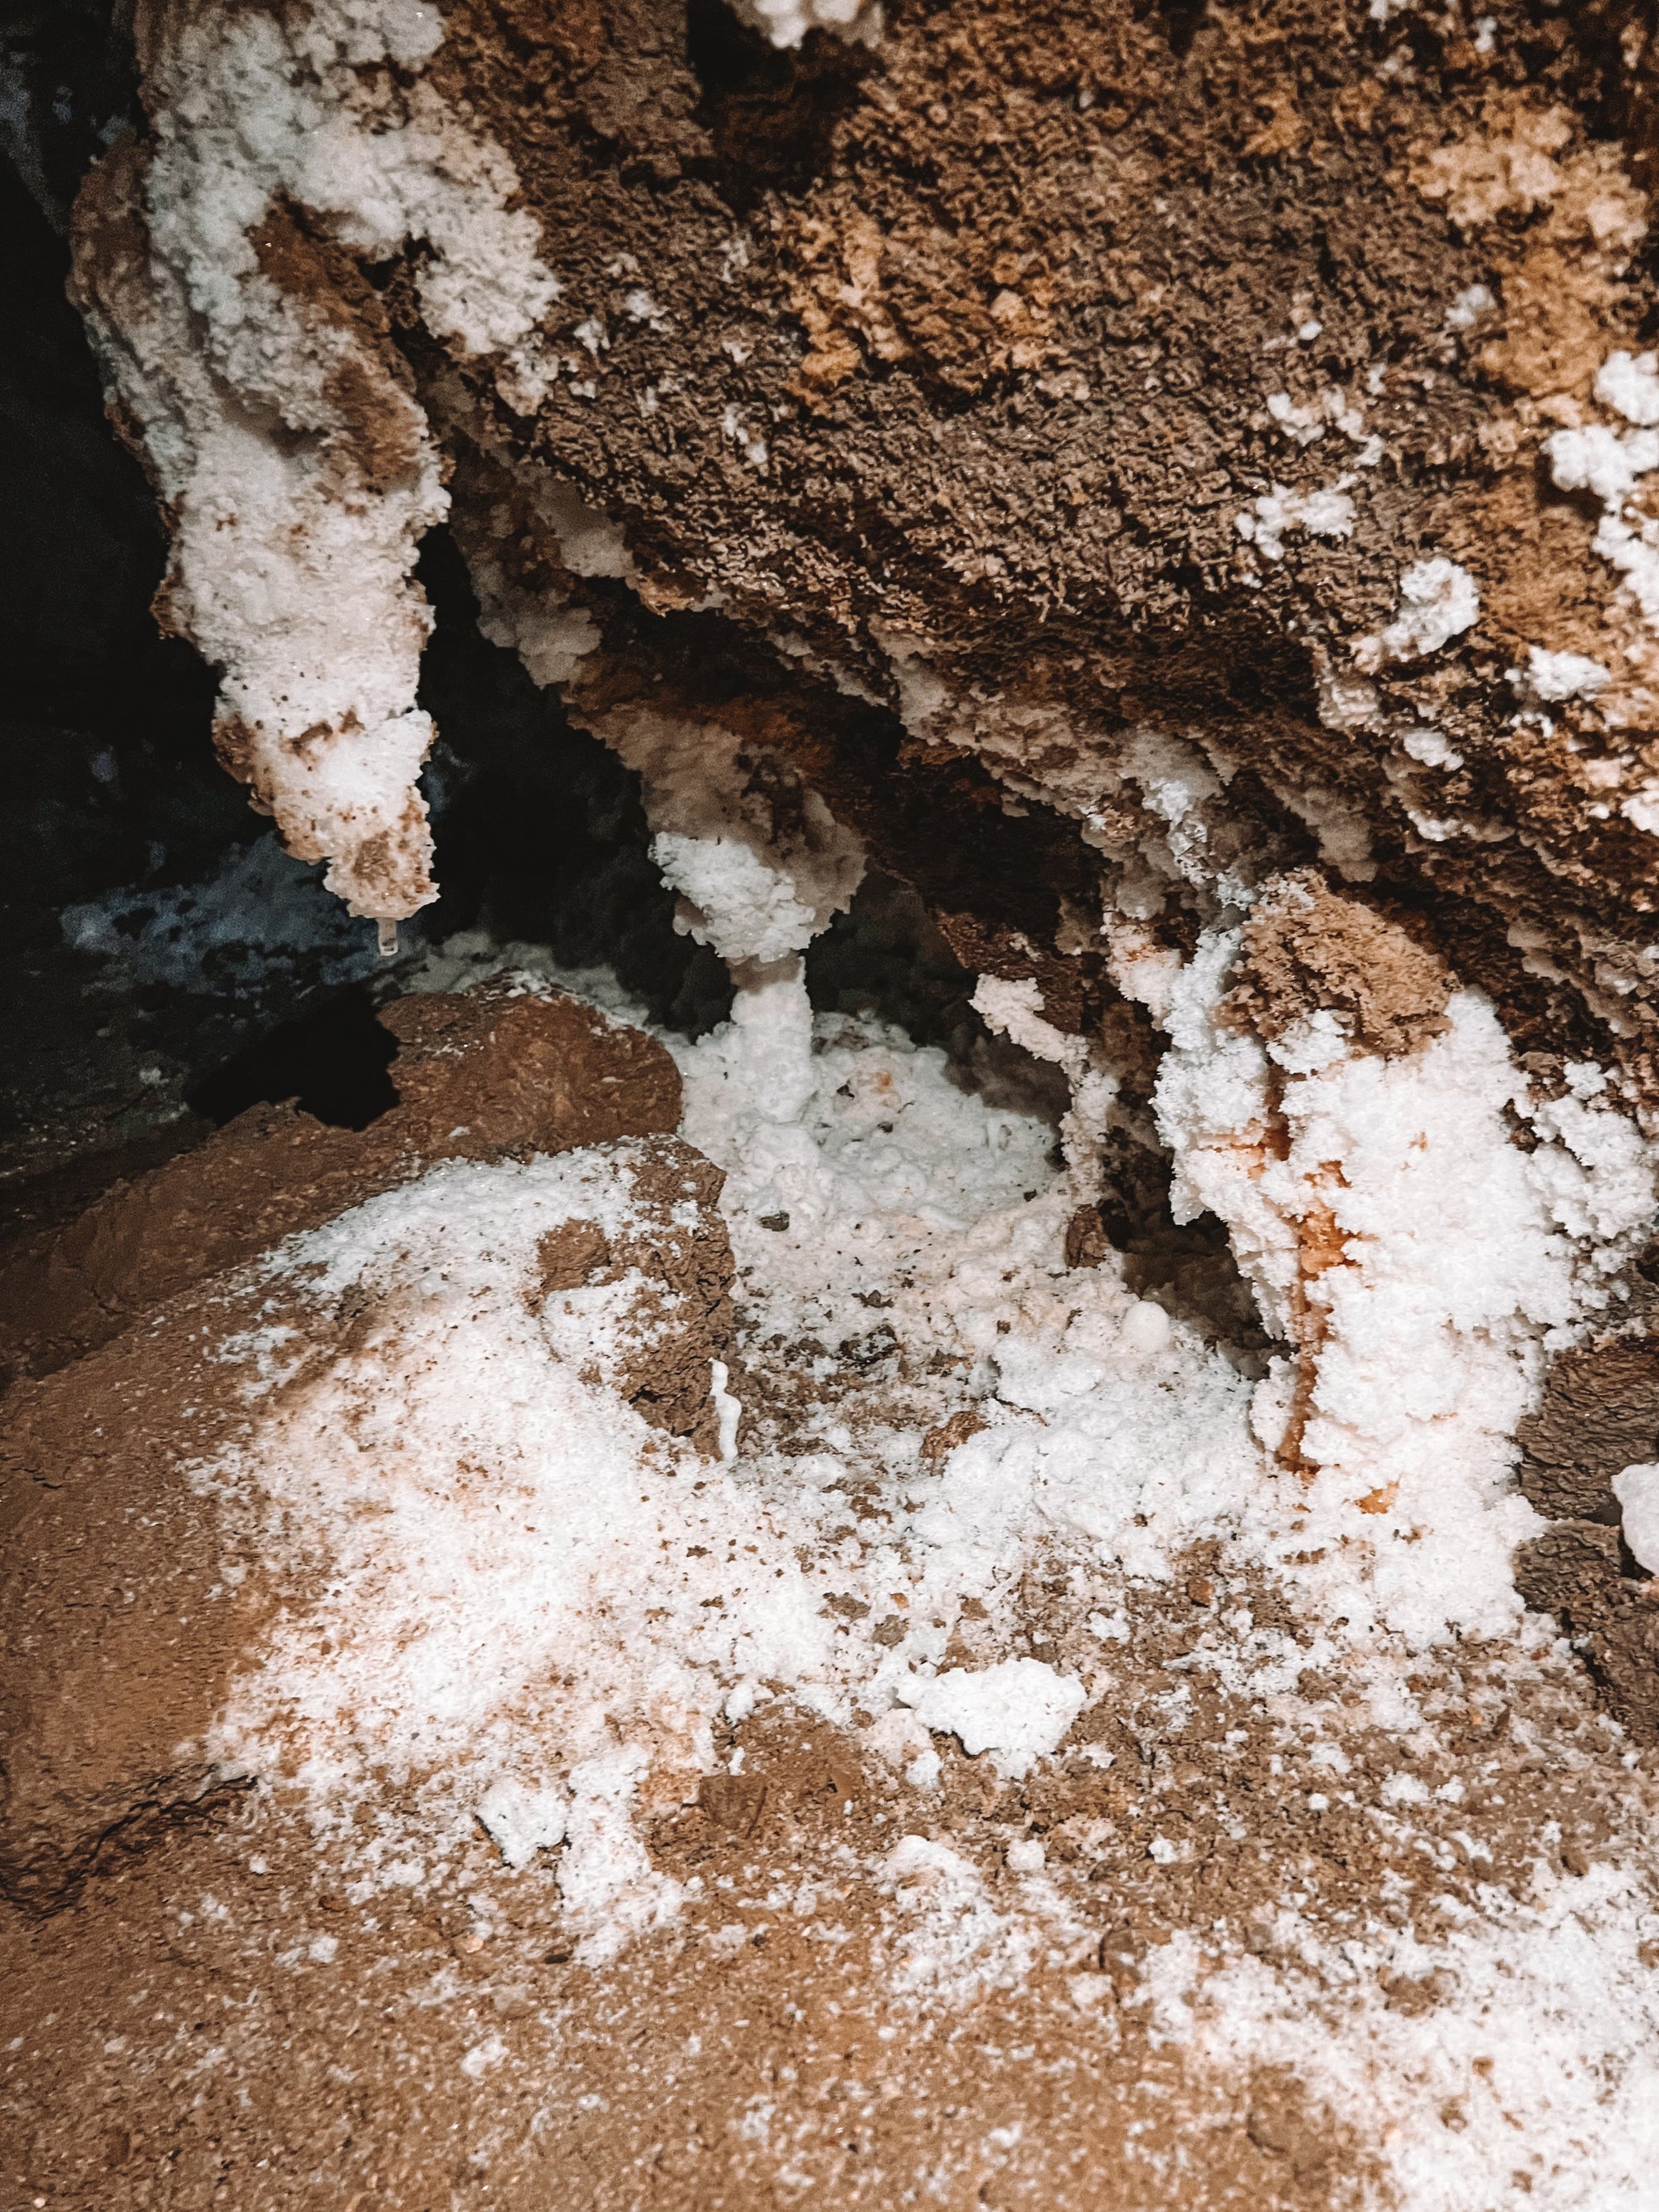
(501, 1071)
(123, 1618)
(1217, 399)
(1127, 469)
(107, 1704)
(681, 1315)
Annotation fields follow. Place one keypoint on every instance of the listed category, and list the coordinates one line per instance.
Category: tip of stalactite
(388, 938)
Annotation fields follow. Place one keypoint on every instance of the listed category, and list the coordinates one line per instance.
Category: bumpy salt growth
(786, 22)
(1540, 2069)
(513, 1617)
(297, 469)
(1017, 1712)
(445, 1615)
(1419, 1263)
(1637, 1488)
(1438, 600)
(1613, 465)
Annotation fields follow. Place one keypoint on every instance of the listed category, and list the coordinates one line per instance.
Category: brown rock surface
(123, 1618)
(684, 1314)
(940, 388)
(1600, 1414)
(1307, 949)
(496, 1072)
(1581, 1572)
(120, 1626)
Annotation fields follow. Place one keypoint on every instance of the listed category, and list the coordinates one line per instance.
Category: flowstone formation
(1031, 1575)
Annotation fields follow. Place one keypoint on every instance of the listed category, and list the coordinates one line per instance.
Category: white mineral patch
(1328, 514)
(1553, 677)
(745, 909)
(786, 22)
(1637, 1488)
(1438, 601)
(1455, 1255)
(1630, 383)
(293, 547)
(1611, 465)
(1017, 1712)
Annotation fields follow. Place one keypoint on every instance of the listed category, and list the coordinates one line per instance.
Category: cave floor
(990, 1807)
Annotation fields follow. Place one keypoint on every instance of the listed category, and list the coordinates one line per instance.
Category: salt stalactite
(219, 265)
(759, 863)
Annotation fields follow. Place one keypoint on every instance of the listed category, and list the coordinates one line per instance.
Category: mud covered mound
(502, 1071)
(766, 1671)
(125, 1616)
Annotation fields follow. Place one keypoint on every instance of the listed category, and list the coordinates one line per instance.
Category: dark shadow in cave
(540, 833)
(333, 1059)
(771, 112)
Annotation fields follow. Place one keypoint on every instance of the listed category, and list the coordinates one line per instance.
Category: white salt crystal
(1018, 1710)
(1637, 1488)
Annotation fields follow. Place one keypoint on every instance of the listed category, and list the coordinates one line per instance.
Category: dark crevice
(540, 833)
(770, 113)
(333, 1061)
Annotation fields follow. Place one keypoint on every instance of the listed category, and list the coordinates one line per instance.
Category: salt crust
(1019, 1711)
(513, 1625)
(1418, 1259)
(1328, 514)
(1612, 465)
(1553, 677)
(1438, 601)
(1417, 1264)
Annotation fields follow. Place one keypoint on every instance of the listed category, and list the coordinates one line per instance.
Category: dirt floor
(212, 2021)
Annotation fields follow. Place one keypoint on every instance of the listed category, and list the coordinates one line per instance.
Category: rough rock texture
(1307, 950)
(1035, 377)
(497, 1072)
(678, 1243)
(1581, 1572)
(1600, 1414)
